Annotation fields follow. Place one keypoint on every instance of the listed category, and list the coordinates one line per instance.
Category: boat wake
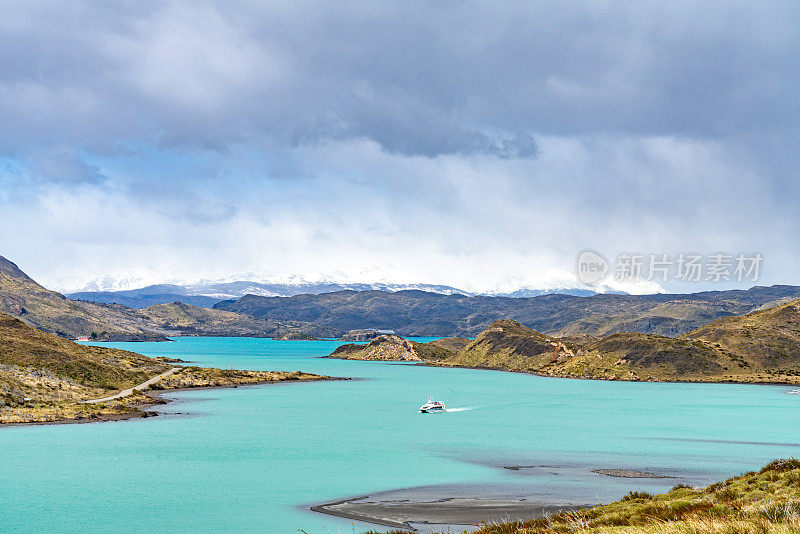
(464, 409)
(791, 392)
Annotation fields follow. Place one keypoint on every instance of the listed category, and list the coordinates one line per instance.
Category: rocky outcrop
(359, 335)
(385, 348)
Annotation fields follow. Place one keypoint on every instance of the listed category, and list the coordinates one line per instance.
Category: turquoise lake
(253, 459)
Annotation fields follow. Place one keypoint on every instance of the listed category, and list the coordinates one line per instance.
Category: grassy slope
(45, 367)
(506, 344)
(47, 310)
(50, 311)
(763, 340)
(763, 346)
(187, 319)
(767, 502)
(44, 377)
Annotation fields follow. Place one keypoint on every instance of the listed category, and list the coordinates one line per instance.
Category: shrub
(727, 494)
(782, 465)
(637, 495)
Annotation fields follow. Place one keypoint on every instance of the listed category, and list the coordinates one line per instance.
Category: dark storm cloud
(451, 142)
(422, 78)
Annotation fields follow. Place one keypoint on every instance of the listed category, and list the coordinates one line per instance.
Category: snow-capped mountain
(208, 293)
(233, 290)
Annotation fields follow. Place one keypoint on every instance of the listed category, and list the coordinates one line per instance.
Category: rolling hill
(763, 340)
(395, 348)
(50, 311)
(178, 318)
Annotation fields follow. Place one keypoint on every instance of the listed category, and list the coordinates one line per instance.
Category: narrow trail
(129, 391)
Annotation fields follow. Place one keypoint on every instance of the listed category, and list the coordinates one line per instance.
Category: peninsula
(45, 378)
(759, 347)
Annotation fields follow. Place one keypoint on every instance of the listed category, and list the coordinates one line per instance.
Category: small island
(391, 347)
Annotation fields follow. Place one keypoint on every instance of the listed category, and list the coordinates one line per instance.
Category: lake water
(253, 459)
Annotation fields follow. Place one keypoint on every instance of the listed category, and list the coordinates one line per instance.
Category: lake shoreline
(442, 513)
(544, 375)
(144, 410)
(468, 507)
(589, 378)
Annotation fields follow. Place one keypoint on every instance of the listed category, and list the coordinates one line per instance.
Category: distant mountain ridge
(207, 294)
(146, 296)
(49, 311)
(408, 312)
(429, 314)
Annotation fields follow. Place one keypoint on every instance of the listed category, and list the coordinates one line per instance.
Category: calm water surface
(253, 459)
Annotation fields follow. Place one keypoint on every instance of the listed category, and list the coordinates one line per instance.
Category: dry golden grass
(194, 377)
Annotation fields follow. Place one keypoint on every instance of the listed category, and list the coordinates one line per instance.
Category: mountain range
(207, 294)
(740, 335)
(420, 313)
(408, 312)
(49, 311)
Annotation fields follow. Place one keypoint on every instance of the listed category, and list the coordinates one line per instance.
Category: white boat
(432, 406)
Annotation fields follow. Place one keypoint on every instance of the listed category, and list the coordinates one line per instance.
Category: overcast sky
(480, 145)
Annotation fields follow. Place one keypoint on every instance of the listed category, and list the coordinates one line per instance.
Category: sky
(482, 145)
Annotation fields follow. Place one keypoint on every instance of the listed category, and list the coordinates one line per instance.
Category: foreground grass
(766, 502)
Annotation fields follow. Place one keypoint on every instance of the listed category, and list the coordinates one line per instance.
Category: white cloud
(362, 214)
(460, 143)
